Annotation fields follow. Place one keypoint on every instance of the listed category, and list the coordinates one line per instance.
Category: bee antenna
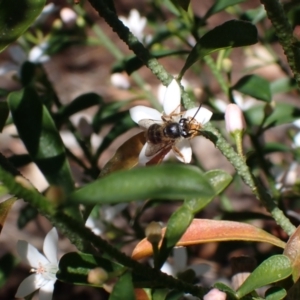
(196, 113)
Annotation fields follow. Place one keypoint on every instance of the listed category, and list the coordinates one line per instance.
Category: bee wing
(153, 149)
(146, 123)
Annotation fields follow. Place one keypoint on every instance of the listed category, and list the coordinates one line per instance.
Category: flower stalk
(284, 32)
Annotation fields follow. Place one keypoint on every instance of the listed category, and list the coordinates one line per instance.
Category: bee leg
(169, 117)
(177, 151)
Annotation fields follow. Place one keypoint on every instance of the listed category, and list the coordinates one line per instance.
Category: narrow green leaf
(254, 86)
(184, 4)
(220, 5)
(283, 85)
(226, 289)
(80, 103)
(123, 289)
(40, 136)
(170, 181)
(275, 293)
(282, 113)
(74, 267)
(231, 34)
(16, 17)
(159, 294)
(272, 270)
(28, 71)
(219, 180)
(178, 223)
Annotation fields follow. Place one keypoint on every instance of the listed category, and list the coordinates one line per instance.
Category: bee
(162, 137)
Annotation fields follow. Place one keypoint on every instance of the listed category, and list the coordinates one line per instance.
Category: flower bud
(234, 118)
(97, 276)
(215, 294)
(55, 194)
(24, 182)
(153, 232)
(68, 16)
(227, 65)
(120, 80)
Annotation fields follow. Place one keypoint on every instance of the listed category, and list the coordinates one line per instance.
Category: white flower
(44, 267)
(107, 214)
(161, 90)
(142, 114)
(180, 265)
(19, 56)
(244, 102)
(135, 23)
(37, 53)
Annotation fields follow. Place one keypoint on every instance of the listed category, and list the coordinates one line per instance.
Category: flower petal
(180, 258)
(50, 245)
(28, 286)
(31, 255)
(46, 291)
(141, 112)
(185, 149)
(200, 269)
(172, 98)
(203, 115)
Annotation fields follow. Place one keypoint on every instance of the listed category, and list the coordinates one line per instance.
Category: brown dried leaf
(127, 156)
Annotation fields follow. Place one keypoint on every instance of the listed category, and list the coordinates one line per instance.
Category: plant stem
(77, 233)
(132, 42)
(284, 33)
(242, 169)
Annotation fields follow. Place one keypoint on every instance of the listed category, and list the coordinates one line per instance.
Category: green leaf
(78, 104)
(170, 181)
(220, 5)
(4, 111)
(254, 86)
(16, 17)
(109, 113)
(40, 136)
(271, 270)
(178, 223)
(123, 289)
(231, 34)
(283, 85)
(184, 4)
(275, 293)
(219, 180)
(28, 70)
(283, 113)
(226, 289)
(74, 267)
(159, 294)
